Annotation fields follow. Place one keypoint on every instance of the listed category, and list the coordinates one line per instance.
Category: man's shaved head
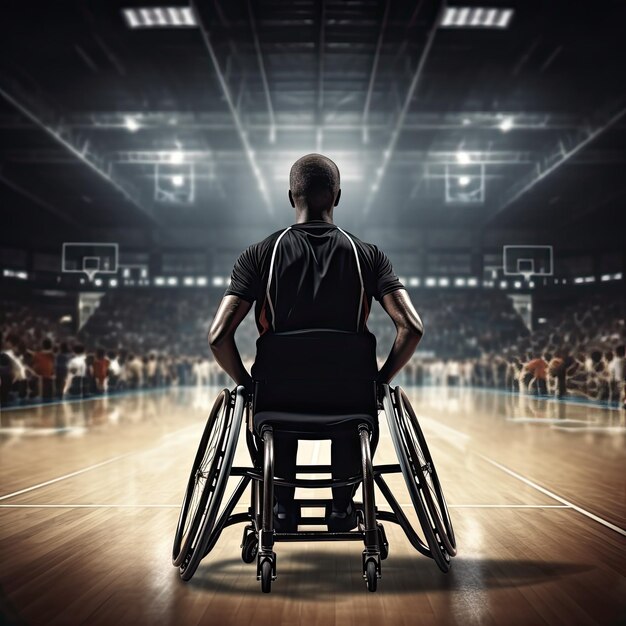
(314, 181)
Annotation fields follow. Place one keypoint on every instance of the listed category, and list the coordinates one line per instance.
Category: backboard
(89, 258)
(527, 261)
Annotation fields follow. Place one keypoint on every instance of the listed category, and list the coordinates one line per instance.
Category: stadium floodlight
(414, 281)
(590, 279)
(444, 282)
(201, 281)
(506, 124)
(178, 180)
(463, 157)
(503, 284)
(131, 124)
(218, 281)
(459, 282)
(172, 281)
(113, 282)
(476, 17)
(617, 276)
(579, 279)
(517, 284)
(188, 281)
(159, 17)
(431, 282)
(605, 277)
(464, 181)
(159, 281)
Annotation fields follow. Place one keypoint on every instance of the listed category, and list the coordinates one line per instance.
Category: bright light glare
(506, 124)
(464, 181)
(176, 157)
(463, 157)
(131, 124)
(178, 180)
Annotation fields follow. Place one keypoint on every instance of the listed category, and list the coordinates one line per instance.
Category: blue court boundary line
(112, 396)
(136, 392)
(503, 392)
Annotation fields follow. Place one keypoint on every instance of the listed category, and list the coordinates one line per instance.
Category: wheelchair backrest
(316, 371)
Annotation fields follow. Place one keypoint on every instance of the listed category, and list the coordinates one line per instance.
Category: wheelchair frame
(197, 535)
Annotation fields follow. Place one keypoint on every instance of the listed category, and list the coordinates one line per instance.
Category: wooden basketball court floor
(90, 492)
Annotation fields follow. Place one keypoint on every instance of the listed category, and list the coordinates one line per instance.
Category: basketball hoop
(91, 273)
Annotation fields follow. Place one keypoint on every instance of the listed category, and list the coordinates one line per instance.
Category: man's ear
(337, 198)
(293, 204)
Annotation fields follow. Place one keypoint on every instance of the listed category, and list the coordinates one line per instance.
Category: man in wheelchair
(312, 284)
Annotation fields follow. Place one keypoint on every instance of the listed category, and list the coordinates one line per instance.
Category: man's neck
(305, 215)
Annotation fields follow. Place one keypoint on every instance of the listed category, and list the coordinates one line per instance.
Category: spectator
(617, 375)
(61, 368)
(100, 370)
(43, 366)
(77, 381)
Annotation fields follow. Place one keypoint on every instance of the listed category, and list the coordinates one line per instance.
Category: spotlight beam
(82, 155)
(555, 160)
(243, 137)
(388, 153)
(372, 81)
(319, 114)
(266, 87)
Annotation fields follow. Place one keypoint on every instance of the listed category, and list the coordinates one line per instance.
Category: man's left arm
(230, 314)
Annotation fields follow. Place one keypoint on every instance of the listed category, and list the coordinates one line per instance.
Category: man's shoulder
(370, 249)
(264, 244)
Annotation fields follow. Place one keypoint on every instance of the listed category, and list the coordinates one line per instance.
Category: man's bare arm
(409, 331)
(230, 314)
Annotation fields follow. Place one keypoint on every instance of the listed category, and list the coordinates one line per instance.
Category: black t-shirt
(315, 279)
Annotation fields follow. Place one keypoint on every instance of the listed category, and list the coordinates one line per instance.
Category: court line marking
(554, 496)
(106, 396)
(571, 400)
(102, 463)
(59, 478)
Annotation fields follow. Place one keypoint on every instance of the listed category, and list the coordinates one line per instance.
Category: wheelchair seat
(311, 424)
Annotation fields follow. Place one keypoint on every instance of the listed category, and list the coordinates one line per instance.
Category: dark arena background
(143, 146)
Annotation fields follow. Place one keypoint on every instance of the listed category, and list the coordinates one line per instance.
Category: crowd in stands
(578, 351)
(150, 339)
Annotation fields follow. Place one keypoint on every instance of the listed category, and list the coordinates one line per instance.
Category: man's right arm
(409, 331)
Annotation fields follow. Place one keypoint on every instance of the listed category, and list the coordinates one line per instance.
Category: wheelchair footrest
(313, 535)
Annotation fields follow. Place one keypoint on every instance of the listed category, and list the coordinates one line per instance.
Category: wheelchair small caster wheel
(371, 577)
(249, 549)
(266, 576)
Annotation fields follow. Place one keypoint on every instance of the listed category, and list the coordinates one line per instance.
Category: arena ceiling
(106, 123)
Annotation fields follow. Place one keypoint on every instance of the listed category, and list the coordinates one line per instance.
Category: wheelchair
(201, 522)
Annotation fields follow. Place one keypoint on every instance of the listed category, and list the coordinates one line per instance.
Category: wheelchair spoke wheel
(202, 478)
(215, 485)
(425, 473)
(406, 458)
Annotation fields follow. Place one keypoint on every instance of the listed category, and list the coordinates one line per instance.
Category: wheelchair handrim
(432, 491)
(419, 505)
(188, 520)
(198, 551)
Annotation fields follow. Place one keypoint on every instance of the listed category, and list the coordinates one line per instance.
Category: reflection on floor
(90, 493)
